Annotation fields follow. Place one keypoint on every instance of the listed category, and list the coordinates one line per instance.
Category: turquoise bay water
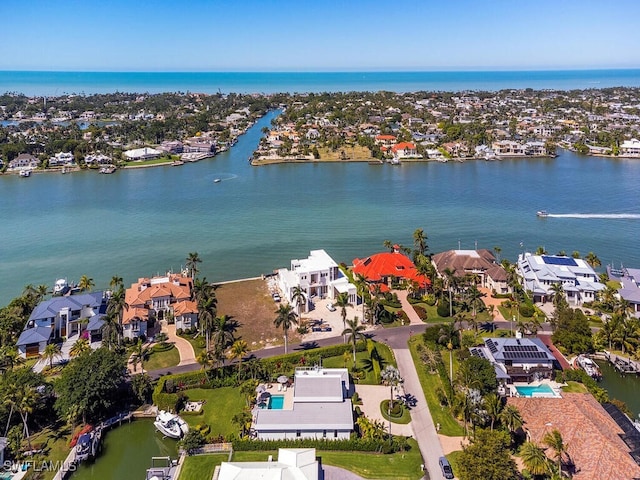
(142, 222)
(58, 83)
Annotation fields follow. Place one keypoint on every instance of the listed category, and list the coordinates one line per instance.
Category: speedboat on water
(170, 425)
(542, 213)
(589, 366)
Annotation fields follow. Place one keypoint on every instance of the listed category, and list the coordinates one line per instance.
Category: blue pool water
(277, 402)
(537, 391)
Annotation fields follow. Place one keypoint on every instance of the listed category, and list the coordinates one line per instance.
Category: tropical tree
(237, 351)
(223, 330)
(554, 440)
(342, 301)
(243, 420)
(511, 419)
(497, 251)
(27, 398)
(487, 457)
(111, 331)
(50, 353)
(363, 290)
(593, 260)
(286, 319)
(116, 282)
(420, 241)
(354, 332)
(534, 459)
(390, 376)
(86, 283)
(449, 278)
(493, 406)
(141, 353)
(193, 259)
(207, 309)
(298, 297)
(205, 359)
(116, 306)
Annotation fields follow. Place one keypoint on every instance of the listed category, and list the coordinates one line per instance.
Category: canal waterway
(127, 452)
(625, 388)
(142, 222)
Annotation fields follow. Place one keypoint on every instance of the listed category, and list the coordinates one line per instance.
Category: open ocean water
(142, 222)
(57, 83)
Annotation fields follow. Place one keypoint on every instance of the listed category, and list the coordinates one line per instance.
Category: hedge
(351, 445)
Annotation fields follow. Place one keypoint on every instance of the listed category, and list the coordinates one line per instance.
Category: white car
(331, 307)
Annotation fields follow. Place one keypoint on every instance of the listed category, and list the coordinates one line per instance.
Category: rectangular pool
(542, 390)
(276, 402)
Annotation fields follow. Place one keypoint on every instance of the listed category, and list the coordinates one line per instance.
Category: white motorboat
(170, 425)
(542, 213)
(589, 366)
(61, 286)
(88, 444)
(25, 173)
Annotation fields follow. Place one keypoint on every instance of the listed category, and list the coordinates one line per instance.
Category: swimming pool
(542, 390)
(276, 402)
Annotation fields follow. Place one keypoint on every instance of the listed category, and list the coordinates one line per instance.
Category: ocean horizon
(54, 83)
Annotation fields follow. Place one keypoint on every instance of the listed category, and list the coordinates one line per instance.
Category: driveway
(372, 396)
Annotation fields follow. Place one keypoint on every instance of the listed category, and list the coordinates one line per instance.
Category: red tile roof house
(389, 268)
(404, 150)
(594, 440)
(156, 297)
(385, 140)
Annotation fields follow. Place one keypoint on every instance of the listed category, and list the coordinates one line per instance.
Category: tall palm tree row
(354, 332)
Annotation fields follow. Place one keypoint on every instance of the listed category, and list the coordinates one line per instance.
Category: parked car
(445, 466)
(276, 297)
(331, 307)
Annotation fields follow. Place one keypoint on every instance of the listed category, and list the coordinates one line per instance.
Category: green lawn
(339, 362)
(221, 404)
(430, 383)
(168, 358)
(401, 466)
(55, 445)
(402, 420)
(201, 467)
(575, 387)
(154, 161)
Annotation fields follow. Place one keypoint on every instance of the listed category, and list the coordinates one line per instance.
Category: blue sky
(302, 35)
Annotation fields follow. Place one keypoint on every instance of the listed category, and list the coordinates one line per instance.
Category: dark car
(447, 472)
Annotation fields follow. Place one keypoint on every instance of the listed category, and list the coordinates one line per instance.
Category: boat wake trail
(223, 177)
(595, 215)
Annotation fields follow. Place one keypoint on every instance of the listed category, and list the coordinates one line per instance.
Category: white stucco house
(292, 463)
(538, 273)
(317, 275)
(321, 408)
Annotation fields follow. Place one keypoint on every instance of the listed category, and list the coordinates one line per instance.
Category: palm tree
(116, 282)
(286, 319)
(204, 358)
(493, 406)
(192, 263)
(51, 352)
(363, 289)
(116, 306)
(388, 244)
(593, 260)
(449, 277)
(243, 420)
(223, 329)
(497, 251)
(554, 440)
(140, 354)
(420, 241)
(81, 346)
(298, 297)
(534, 459)
(354, 332)
(238, 350)
(111, 330)
(510, 417)
(27, 398)
(202, 290)
(558, 294)
(86, 283)
(207, 309)
(342, 301)
(390, 376)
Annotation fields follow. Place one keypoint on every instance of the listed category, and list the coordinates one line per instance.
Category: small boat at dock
(88, 445)
(170, 425)
(108, 169)
(589, 366)
(25, 173)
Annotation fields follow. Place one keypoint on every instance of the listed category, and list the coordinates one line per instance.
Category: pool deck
(555, 387)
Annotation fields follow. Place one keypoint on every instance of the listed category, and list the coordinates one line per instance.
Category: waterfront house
(597, 447)
(317, 275)
(629, 279)
(60, 317)
(321, 408)
(389, 269)
(159, 298)
(517, 359)
(630, 148)
(62, 159)
(292, 463)
(97, 159)
(24, 161)
(538, 273)
(139, 154)
(385, 140)
(172, 147)
(404, 150)
(481, 263)
(535, 149)
(199, 145)
(508, 148)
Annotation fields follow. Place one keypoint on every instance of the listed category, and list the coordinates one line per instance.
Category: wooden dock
(625, 366)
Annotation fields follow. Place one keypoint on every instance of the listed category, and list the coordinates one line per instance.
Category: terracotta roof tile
(385, 264)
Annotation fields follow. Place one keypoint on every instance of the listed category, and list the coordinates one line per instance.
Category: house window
(298, 433)
(324, 434)
(335, 434)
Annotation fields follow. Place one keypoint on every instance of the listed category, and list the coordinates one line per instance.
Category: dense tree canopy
(487, 458)
(92, 385)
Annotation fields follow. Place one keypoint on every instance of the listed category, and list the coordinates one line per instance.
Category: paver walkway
(372, 396)
(496, 302)
(424, 430)
(414, 319)
(185, 349)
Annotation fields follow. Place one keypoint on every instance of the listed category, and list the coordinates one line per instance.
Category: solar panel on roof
(492, 346)
(562, 261)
